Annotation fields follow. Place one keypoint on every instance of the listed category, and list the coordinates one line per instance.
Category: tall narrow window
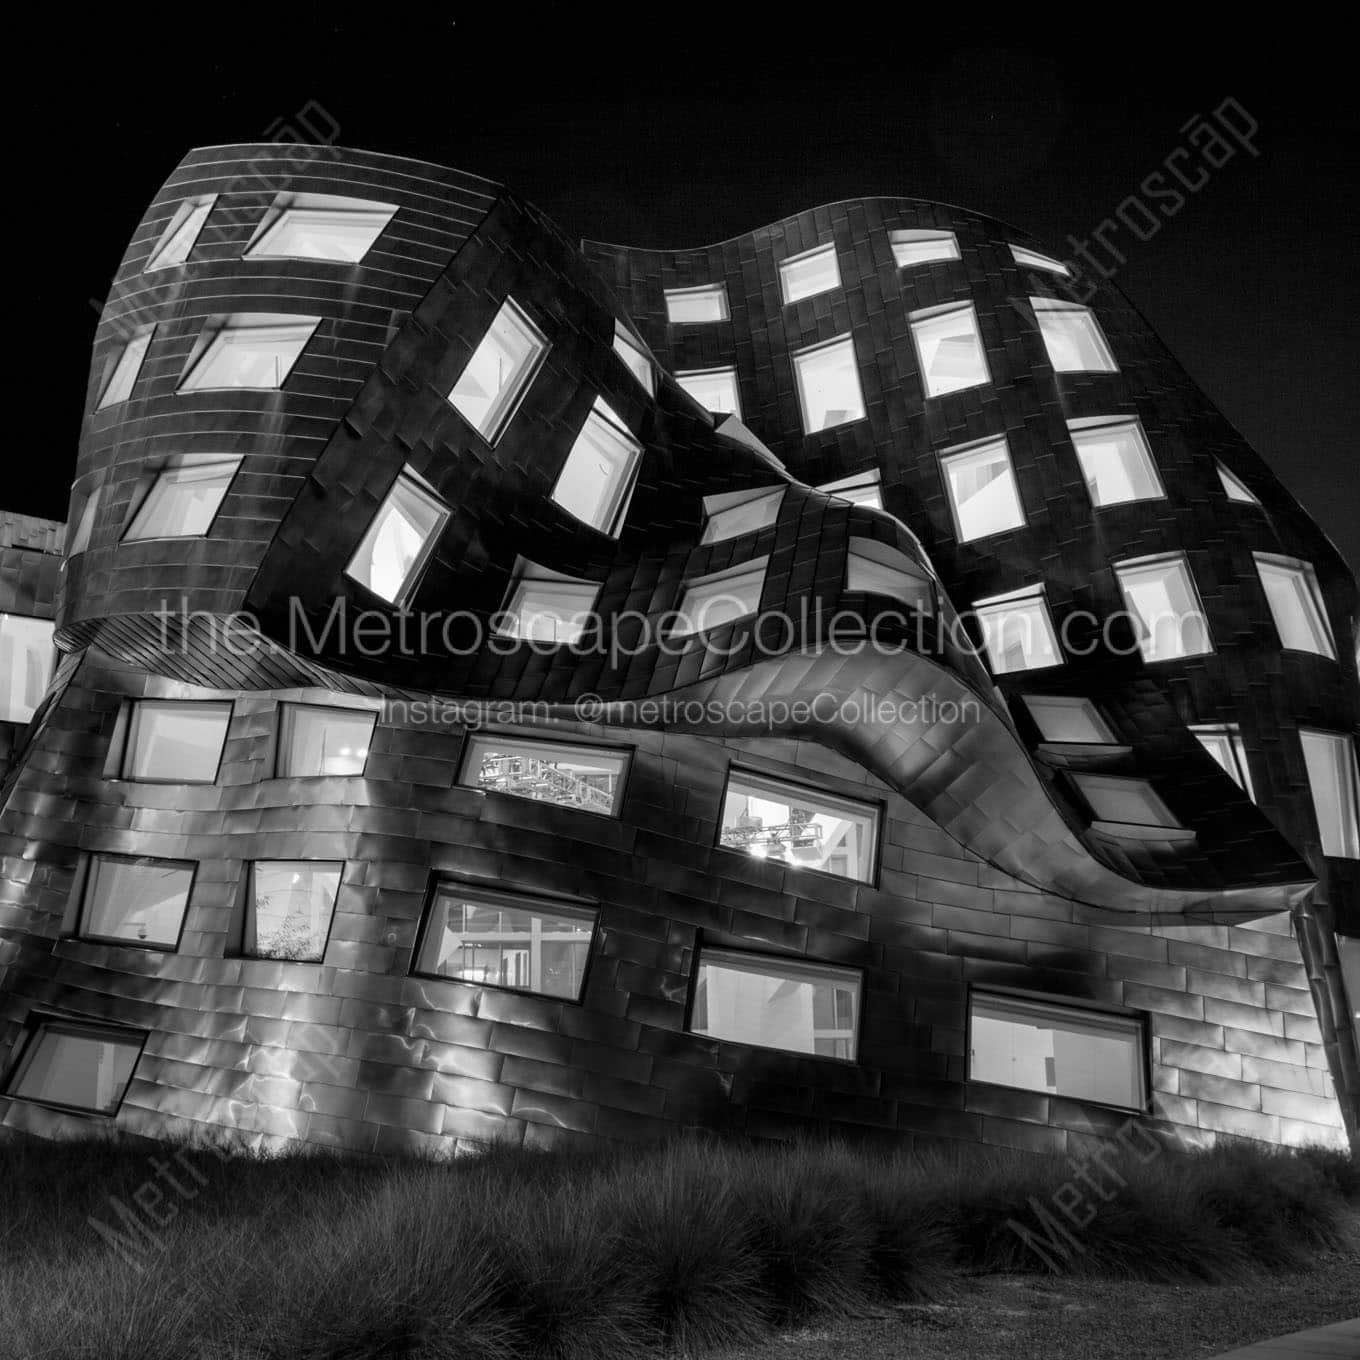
(500, 939)
(812, 272)
(183, 500)
(1072, 337)
(289, 908)
(828, 385)
(1160, 594)
(1295, 604)
(949, 348)
(863, 488)
(1335, 786)
(713, 388)
(125, 371)
(1032, 259)
(172, 741)
(787, 1004)
(911, 246)
(1233, 487)
(587, 777)
(134, 900)
(75, 1064)
(26, 657)
(1017, 631)
(1068, 719)
(723, 597)
(499, 372)
(635, 357)
(1223, 741)
(878, 569)
(596, 482)
(1132, 802)
(708, 302)
(400, 540)
(82, 523)
(320, 227)
(182, 232)
(982, 490)
(735, 513)
(316, 741)
(249, 349)
(1115, 460)
(546, 606)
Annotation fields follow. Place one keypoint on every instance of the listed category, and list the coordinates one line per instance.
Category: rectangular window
(1017, 631)
(1115, 460)
(913, 246)
(546, 606)
(949, 348)
(1072, 337)
(735, 513)
(787, 1004)
(864, 488)
(982, 490)
(289, 908)
(134, 900)
(1335, 785)
(83, 523)
(1233, 488)
(1295, 604)
(178, 238)
(812, 272)
(27, 654)
(315, 741)
(76, 1065)
(125, 371)
(1032, 259)
(828, 385)
(250, 349)
(635, 358)
(497, 939)
(587, 777)
(715, 389)
(183, 500)
(708, 302)
(711, 601)
(1160, 594)
(1056, 1048)
(1133, 802)
(878, 569)
(1068, 719)
(400, 540)
(799, 827)
(170, 741)
(596, 482)
(320, 227)
(1223, 741)
(499, 372)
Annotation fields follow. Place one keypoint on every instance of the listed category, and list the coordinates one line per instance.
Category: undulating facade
(834, 681)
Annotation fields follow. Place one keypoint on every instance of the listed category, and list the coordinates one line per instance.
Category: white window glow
(982, 490)
(1032, 259)
(1234, 488)
(708, 302)
(1161, 596)
(320, 227)
(635, 357)
(911, 246)
(735, 513)
(1295, 604)
(180, 235)
(250, 350)
(949, 348)
(316, 741)
(806, 275)
(125, 371)
(1072, 337)
(1068, 719)
(546, 606)
(1335, 786)
(863, 488)
(1017, 631)
(1223, 741)
(27, 655)
(289, 909)
(1115, 460)
(713, 388)
(499, 371)
(183, 500)
(712, 601)
(828, 385)
(399, 540)
(878, 569)
(596, 482)
(174, 741)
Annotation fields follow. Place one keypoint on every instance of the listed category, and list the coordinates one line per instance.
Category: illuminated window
(27, 654)
(1032, 259)
(1160, 595)
(316, 741)
(713, 388)
(828, 385)
(711, 601)
(171, 741)
(547, 606)
(1132, 802)
(1068, 719)
(587, 777)
(1017, 631)
(740, 512)
(320, 227)
(1234, 488)
(400, 540)
(499, 939)
(1115, 460)
(289, 908)
(911, 246)
(183, 500)
(863, 488)
(179, 237)
(1295, 604)
(125, 371)
(134, 900)
(878, 569)
(635, 357)
(1223, 741)
(82, 523)
(949, 348)
(249, 350)
(812, 272)
(799, 827)
(499, 372)
(982, 490)
(75, 1065)
(708, 302)
(1072, 337)
(1335, 786)
(596, 482)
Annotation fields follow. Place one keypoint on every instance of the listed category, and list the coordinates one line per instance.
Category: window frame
(906, 236)
(620, 492)
(1303, 575)
(1234, 488)
(681, 374)
(217, 334)
(138, 343)
(695, 291)
(1036, 259)
(870, 481)
(1080, 779)
(1231, 734)
(634, 357)
(1142, 564)
(1034, 703)
(808, 354)
(282, 731)
(526, 572)
(317, 205)
(184, 210)
(54, 661)
(185, 463)
(1350, 833)
(923, 316)
(736, 572)
(1038, 592)
(738, 500)
(870, 553)
(508, 402)
(35, 1023)
(1081, 426)
(86, 875)
(415, 573)
(828, 249)
(466, 776)
(127, 728)
(1051, 306)
(248, 886)
(971, 451)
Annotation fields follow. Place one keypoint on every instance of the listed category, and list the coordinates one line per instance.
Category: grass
(686, 1248)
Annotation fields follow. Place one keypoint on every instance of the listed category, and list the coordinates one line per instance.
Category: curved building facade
(845, 679)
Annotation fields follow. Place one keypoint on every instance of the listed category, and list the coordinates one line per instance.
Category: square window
(586, 777)
(949, 348)
(1058, 1049)
(828, 385)
(183, 500)
(1017, 631)
(75, 1065)
(1160, 594)
(1115, 460)
(635, 357)
(1223, 741)
(1233, 487)
(125, 371)
(1335, 786)
(799, 827)
(1032, 259)
(785, 1004)
(320, 227)
(863, 488)
(1130, 801)
(596, 482)
(399, 540)
(171, 741)
(289, 908)
(1072, 337)
(913, 246)
(499, 372)
(1068, 719)
(878, 569)
(134, 900)
(27, 655)
(181, 234)
(497, 939)
(315, 741)
(812, 272)
(708, 302)
(740, 512)
(1295, 604)
(711, 601)
(546, 606)
(982, 490)
(249, 350)
(715, 389)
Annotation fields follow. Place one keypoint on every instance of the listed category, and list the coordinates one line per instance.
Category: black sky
(674, 132)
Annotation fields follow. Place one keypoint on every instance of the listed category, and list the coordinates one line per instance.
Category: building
(845, 679)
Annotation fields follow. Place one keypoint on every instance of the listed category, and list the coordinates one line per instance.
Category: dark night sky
(657, 139)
